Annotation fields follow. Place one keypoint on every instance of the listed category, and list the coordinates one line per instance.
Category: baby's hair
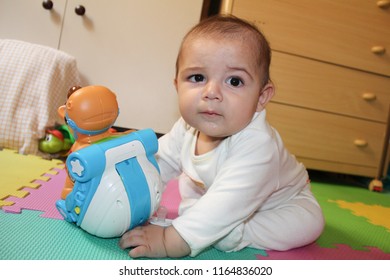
(231, 27)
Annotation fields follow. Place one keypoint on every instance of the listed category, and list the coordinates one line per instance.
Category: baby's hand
(147, 241)
(154, 242)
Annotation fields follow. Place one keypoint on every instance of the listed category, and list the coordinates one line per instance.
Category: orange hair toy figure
(113, 181)
(89, 112)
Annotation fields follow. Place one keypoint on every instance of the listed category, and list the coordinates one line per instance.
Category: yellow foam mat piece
(375, 214)
(18, 171)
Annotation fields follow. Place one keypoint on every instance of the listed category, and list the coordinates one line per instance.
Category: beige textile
(34, 81)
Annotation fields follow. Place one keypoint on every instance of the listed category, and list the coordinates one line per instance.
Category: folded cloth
(34, 81)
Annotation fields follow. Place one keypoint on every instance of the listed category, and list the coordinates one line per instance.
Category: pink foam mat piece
(44, 198)
(171, 199)
(41, 199)
(315, 252)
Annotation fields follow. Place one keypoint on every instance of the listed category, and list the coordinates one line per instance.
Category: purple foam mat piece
(45, 196)
(41, 199)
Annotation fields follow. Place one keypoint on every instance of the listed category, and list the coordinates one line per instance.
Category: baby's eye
(196, 78)
(235, 82)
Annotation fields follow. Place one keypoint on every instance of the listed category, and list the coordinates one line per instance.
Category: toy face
(51, 144)
(57, 139)
(91, 108)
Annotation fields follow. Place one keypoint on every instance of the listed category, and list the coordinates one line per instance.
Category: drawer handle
(369, 96)
(384, 4)
(360, 143)
(80, 10)
(47, 4)
(378, 49)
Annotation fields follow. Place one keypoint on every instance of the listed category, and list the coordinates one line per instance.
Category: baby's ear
(266, 95)
(175, 83)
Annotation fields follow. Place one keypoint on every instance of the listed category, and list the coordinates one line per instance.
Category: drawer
(342, 32)
(328, 137)
(326, 87)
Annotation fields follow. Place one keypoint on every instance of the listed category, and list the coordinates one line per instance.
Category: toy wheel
(375, 185)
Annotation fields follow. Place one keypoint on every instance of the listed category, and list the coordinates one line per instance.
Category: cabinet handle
(80, 10)
(384, 4)
(360, 143)
(378, 49)
(47, 4)
(369, 96)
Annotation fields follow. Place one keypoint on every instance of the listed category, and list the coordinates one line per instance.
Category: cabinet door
(130, 46)
(28, 20)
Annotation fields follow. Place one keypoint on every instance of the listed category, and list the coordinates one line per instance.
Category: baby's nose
(212, 91)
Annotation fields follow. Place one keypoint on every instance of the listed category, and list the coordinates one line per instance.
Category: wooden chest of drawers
(331, 69)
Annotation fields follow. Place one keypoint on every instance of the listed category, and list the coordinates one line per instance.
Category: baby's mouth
(210, 113)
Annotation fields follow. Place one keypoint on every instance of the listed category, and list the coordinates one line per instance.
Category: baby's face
(218, 85)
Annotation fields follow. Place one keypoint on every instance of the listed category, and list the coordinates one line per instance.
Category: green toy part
(57, 140)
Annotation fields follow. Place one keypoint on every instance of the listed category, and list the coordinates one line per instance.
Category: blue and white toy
(117, 184)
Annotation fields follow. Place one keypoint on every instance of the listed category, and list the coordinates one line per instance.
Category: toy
(375, 185)
(117, 184)
(89, 112)
(57, 140)
(113, 181)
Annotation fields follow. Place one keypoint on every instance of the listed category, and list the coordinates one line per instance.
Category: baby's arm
(154, 242)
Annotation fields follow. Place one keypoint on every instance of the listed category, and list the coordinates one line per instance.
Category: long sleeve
(169, 151)
(252, 166)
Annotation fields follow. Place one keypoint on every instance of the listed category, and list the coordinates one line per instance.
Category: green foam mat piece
(342, 226)
(27, 236)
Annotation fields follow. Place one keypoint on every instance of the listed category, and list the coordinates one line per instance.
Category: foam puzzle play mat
(31, 228)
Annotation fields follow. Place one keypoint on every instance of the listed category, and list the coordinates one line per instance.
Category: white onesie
(249, 191)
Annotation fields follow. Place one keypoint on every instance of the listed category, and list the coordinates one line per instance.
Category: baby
(239, 185)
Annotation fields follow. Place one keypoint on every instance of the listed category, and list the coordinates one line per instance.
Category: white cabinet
(129, 46)
(27, 20)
